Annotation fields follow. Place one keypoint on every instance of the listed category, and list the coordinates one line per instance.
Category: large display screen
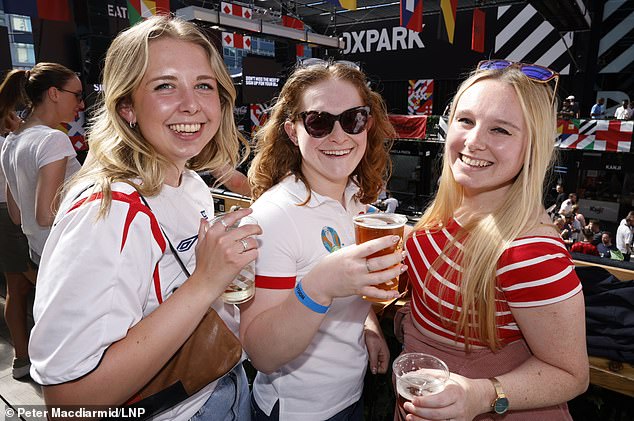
(261, 79)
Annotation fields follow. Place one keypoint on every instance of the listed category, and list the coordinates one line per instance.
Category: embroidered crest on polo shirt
(330, 239)
(187, 243)
(203, 213)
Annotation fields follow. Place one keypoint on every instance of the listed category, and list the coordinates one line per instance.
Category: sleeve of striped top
(537, 271)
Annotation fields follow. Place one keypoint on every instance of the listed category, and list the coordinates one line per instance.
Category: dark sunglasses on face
(534, 72)
(320, 123)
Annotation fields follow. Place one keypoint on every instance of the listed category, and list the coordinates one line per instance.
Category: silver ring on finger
(245, 245)
(224, 224)
(367, 266)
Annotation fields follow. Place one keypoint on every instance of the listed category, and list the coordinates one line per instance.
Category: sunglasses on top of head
(320, 123)
(314, 61)
(534, 72)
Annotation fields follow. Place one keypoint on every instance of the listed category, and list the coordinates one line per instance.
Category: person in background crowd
(561, 196)
(566, 206)
(585, 246)
(320, 160)
(624, 220)
(605, 247)
(624, 236)
(624, 112)
(495, 295)
(17, 268)
(391, 203)
(572, 226)
(580, 220)
(36, 157)
(569, 108)
(595, 226)
(564, 231)
(598, 109)
(100, 334)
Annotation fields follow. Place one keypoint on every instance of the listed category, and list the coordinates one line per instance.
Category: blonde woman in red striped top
(495, 294)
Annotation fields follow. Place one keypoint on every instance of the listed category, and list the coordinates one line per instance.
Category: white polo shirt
(328, 376)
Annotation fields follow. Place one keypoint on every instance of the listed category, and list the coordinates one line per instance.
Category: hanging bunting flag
(239, 41)
(412, 15)
(420, 96)
(448, 13)
(595, 135)
(299, 50)
(76, 132)
(477, 30)
(258, 116)
(346, 4)
(54, 10)
(236, 10)
(44, 9)
(143, 9)
(291, 22)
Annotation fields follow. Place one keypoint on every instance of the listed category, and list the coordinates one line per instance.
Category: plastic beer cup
(375, 225)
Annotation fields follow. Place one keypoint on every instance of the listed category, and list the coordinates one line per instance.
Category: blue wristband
(307, 301)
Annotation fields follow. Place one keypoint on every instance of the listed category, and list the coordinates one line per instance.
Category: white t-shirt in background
(23, 155)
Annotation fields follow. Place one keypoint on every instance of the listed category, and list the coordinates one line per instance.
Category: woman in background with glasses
(321, 158)
(495, 294)
(36, 157)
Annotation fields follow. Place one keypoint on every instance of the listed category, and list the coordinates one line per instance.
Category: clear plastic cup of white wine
(418, 374)
(242, 289)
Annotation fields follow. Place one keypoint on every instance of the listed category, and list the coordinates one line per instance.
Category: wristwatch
(501, 403)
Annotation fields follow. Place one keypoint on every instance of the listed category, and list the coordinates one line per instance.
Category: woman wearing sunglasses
(495, 294)
(321, 158)
(36, 157)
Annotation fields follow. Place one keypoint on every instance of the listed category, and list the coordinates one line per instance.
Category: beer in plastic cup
(375, 225)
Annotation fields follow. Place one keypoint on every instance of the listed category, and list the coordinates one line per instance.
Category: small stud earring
(132, 124)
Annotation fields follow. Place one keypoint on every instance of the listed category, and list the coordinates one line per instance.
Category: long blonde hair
(485, 236)
(119, 152)
(277, 156)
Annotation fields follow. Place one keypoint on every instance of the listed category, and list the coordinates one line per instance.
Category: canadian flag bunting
(236, 10)
(232, 40)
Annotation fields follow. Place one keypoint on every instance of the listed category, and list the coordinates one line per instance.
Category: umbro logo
(187, 243)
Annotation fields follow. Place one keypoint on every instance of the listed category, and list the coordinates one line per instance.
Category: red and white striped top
(532, 272)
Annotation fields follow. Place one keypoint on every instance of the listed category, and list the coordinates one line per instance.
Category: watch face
(501, 405)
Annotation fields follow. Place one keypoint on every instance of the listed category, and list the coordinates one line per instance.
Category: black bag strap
(174, 252)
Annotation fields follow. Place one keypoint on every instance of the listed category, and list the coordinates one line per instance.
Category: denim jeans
(229, 401)
(352, 413)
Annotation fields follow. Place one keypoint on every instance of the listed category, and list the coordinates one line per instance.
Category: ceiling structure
(325, 18)
(328, 19)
